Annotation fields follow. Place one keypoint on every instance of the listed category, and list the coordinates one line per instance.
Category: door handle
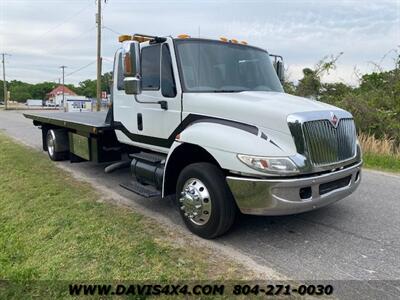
(140, 122)
(163, 104)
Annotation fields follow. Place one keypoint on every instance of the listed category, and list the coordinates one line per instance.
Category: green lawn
(53, 227)
(381, 162)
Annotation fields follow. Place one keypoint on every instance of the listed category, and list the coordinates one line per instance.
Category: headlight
(273, 165)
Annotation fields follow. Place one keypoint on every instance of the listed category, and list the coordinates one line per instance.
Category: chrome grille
(328, 145)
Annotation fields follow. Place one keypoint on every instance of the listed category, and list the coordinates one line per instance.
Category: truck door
(149, 119)
(158, 107)
(124, 105)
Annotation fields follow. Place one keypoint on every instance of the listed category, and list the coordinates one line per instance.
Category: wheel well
(183, 156)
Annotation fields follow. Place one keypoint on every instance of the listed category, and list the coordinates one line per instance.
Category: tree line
(374, 102)
(21, 91)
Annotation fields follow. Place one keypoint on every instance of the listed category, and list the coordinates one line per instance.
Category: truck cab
(233, 139)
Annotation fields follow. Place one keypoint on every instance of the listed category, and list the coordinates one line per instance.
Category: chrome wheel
(50, 144)
(195, 201)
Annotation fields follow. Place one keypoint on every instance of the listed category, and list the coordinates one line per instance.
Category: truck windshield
(213, 66)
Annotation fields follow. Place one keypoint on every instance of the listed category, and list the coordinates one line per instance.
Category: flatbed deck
(92, 122)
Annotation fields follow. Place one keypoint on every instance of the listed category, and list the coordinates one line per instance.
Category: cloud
(42, 35)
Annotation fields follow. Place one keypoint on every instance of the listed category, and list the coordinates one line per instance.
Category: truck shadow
(294, 227)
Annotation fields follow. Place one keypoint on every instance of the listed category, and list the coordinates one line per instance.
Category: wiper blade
(227, 91)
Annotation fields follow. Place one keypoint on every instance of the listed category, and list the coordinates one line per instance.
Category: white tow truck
(208, 121)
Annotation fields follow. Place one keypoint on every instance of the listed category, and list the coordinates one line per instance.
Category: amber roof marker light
(124, 37)
(183, 36)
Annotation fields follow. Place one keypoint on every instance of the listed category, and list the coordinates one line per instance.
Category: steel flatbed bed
(85, 122)
(87, 135)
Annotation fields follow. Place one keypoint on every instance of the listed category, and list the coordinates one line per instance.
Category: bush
(375, 103)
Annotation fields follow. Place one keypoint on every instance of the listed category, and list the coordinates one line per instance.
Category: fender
(225, 137)
(221, 142)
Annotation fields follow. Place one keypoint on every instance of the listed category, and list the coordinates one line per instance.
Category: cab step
(146, 191)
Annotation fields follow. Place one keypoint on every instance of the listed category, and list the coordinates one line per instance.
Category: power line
(71, 73)
(58, 46)
(64, 21)
(112, 30)
(99, 58)
(41, 67)
(80, 69)
(108, 60)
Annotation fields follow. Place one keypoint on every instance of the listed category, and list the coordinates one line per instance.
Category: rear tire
(57, 144)
(205, 201)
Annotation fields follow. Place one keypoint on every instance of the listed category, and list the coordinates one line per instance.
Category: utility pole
(63, 94)
(4, 81)
(99, 58)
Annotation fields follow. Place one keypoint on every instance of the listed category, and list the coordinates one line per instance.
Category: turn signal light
(183, 36)
(127, 65)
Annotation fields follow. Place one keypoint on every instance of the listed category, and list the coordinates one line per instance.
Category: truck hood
(262, 109)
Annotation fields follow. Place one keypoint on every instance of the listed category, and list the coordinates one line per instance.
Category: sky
(42, 35)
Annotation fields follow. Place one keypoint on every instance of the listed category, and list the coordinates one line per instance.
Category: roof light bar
(137, 37)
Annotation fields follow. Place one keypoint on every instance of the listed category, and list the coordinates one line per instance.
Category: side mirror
(280, 70)
(131, 65)
(277, 61)
(132, 85)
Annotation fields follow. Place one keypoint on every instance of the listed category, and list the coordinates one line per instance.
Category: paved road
(356, 238)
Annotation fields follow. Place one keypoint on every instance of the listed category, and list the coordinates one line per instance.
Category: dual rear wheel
(57, 144)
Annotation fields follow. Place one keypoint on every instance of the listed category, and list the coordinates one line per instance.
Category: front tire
(205, 201)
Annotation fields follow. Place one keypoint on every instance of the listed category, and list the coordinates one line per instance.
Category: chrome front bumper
(290, 196)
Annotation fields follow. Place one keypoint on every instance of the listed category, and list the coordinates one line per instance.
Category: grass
(53, 227)
(382, 154)
(385, 146)
(381, 162)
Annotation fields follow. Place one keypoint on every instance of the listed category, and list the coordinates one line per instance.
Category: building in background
(55, 97)
(78, 104)
(73, 102)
